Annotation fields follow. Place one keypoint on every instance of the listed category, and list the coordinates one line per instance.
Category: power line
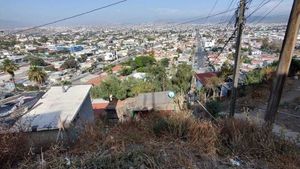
(227, 42)
(212, 9)
(233, 34)
(200, 18)
(73, 16)
(263, 3)
(272, 9)
(191, 20)
(229, 6)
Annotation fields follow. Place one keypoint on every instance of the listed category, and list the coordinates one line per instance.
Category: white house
(109, 56)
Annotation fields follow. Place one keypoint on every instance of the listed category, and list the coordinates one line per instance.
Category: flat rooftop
(54, 107)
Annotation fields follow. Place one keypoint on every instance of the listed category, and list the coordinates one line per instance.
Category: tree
(110, 86)
(181, 81)
(212, 84)
(226, 70)
(126, 71)
(43, 39)
(144, 61)
(254, 77)
(9, 67)
(158, 77)
(214, 107)
(69, 64)
(36, 61)
(142, 87)
(165, 62)
(37, 75)
(274, 46)
(246, 59)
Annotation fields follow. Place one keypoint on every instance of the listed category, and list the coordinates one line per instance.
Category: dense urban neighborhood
(153, 94)
(121, 73)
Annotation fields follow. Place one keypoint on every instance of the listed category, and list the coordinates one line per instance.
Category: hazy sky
(132, 11)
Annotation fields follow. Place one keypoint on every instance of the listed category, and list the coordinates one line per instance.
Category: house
(59, 115)
(16, 58)
(201, 78)
(162, 102)
(97, 80)
(106, 110)
(110, 56)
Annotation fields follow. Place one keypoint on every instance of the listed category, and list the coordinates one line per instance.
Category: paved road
(200, 56)
(19, 74)
(121, 60)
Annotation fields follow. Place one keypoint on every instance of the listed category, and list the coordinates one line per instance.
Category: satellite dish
(171, 94)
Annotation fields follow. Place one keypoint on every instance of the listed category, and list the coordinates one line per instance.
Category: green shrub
(214, 107)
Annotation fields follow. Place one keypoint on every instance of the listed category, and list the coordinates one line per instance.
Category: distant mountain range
(10, 24)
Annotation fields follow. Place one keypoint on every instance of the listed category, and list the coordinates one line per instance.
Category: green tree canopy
(144, 61)
(110, 86)
(37, 75)
(9, 67)
(36, 61)
(181, 81)
(125, 71)
(226, 70)
(165, 62)
(158, 77)
(69, 64)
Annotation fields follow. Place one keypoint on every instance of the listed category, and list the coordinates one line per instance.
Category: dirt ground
(254, 102)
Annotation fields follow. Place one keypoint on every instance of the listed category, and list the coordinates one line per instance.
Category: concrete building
(144, 103)
(59, 115)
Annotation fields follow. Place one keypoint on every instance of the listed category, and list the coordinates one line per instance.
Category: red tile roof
(97, 80)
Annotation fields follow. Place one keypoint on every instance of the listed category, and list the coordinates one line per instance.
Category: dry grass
(13, 147)
(249, 141)
(173, 141)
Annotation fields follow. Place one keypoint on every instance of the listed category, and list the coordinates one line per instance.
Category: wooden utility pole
(285, 58)
(240, 25)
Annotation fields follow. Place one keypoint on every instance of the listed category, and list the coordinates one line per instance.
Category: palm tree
(9, 67)
(37, 75)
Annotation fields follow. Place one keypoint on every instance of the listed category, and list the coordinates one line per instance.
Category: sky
(34, 12)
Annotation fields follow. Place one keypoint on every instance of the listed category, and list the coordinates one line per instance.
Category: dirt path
(292, 92)
(289, 108)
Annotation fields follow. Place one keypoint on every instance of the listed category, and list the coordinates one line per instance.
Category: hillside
(175, 141)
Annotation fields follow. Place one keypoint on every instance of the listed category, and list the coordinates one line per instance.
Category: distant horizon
(282, 19)
(28, 13)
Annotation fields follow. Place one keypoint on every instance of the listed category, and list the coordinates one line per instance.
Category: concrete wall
(85, 114)
(68, 136)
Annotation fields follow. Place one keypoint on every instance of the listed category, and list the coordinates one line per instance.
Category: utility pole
(285, 58)
(237, 58)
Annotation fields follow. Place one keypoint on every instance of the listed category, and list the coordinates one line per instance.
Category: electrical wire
(229, 6)
(200, 18)
(262, 4)
(272, 9)
(73, 16)
(212, 9)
